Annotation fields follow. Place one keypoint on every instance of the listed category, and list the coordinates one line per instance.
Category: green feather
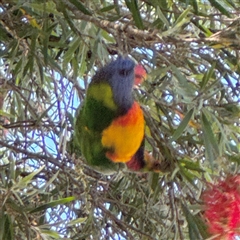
(109, 95)
(99, 109)
(87, 134)
(102, 92)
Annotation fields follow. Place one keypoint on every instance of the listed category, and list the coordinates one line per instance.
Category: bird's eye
(123, 72)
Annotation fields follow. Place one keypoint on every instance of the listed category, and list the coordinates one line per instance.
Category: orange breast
(124, 136)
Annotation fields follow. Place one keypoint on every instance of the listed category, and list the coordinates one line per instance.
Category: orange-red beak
(140, 74)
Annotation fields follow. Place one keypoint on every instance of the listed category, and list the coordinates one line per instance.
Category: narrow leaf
(80, 7)
(5, 114)
(77, 221)
(195, 6)
(196, 228)
(24, 181)
(219, 7)
(133, 8)
(182, 125)
(50, 233)
(70, 52)
(181, 78)
(207, 76)
(8, 228)
(210, 142)
(191, 165)
(183, 17)
(52, 204)
(108, 8)
(162, 17)
(188, 176)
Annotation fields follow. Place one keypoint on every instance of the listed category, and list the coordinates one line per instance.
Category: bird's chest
(124, 135)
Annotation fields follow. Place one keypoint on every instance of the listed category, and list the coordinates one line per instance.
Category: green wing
(95, 115)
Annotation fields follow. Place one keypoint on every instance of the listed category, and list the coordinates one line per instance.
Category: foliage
(48, 52)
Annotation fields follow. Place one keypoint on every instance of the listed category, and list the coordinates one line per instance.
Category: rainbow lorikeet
(109, 128)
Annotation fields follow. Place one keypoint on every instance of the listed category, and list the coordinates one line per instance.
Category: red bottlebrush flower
(222, 208)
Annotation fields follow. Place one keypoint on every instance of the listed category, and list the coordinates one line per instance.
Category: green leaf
(18, 67)
(46, 7)
(182, 79)
(207, 76)
(6, 227)
(182, 125)
(53, 64)
(108, 8)
(133, 8)
(231, 3)
(184, 88)
(27, 67)
(163, 4)
(162, 16)
(195, 6)
(183, 17)
(5, 114)
(191, 165)
(50, 181)
(196, 227)
(52, 204)
(24, 181)
(94, 52)
(70, 52)
(77, 221)
(190, 177)
(218, 6)
(107, 36)
(210, 142)
(80, 7)
(153, 180)
(70, 22)
(50, 233)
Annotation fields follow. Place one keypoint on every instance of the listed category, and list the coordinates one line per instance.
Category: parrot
(109, 128)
